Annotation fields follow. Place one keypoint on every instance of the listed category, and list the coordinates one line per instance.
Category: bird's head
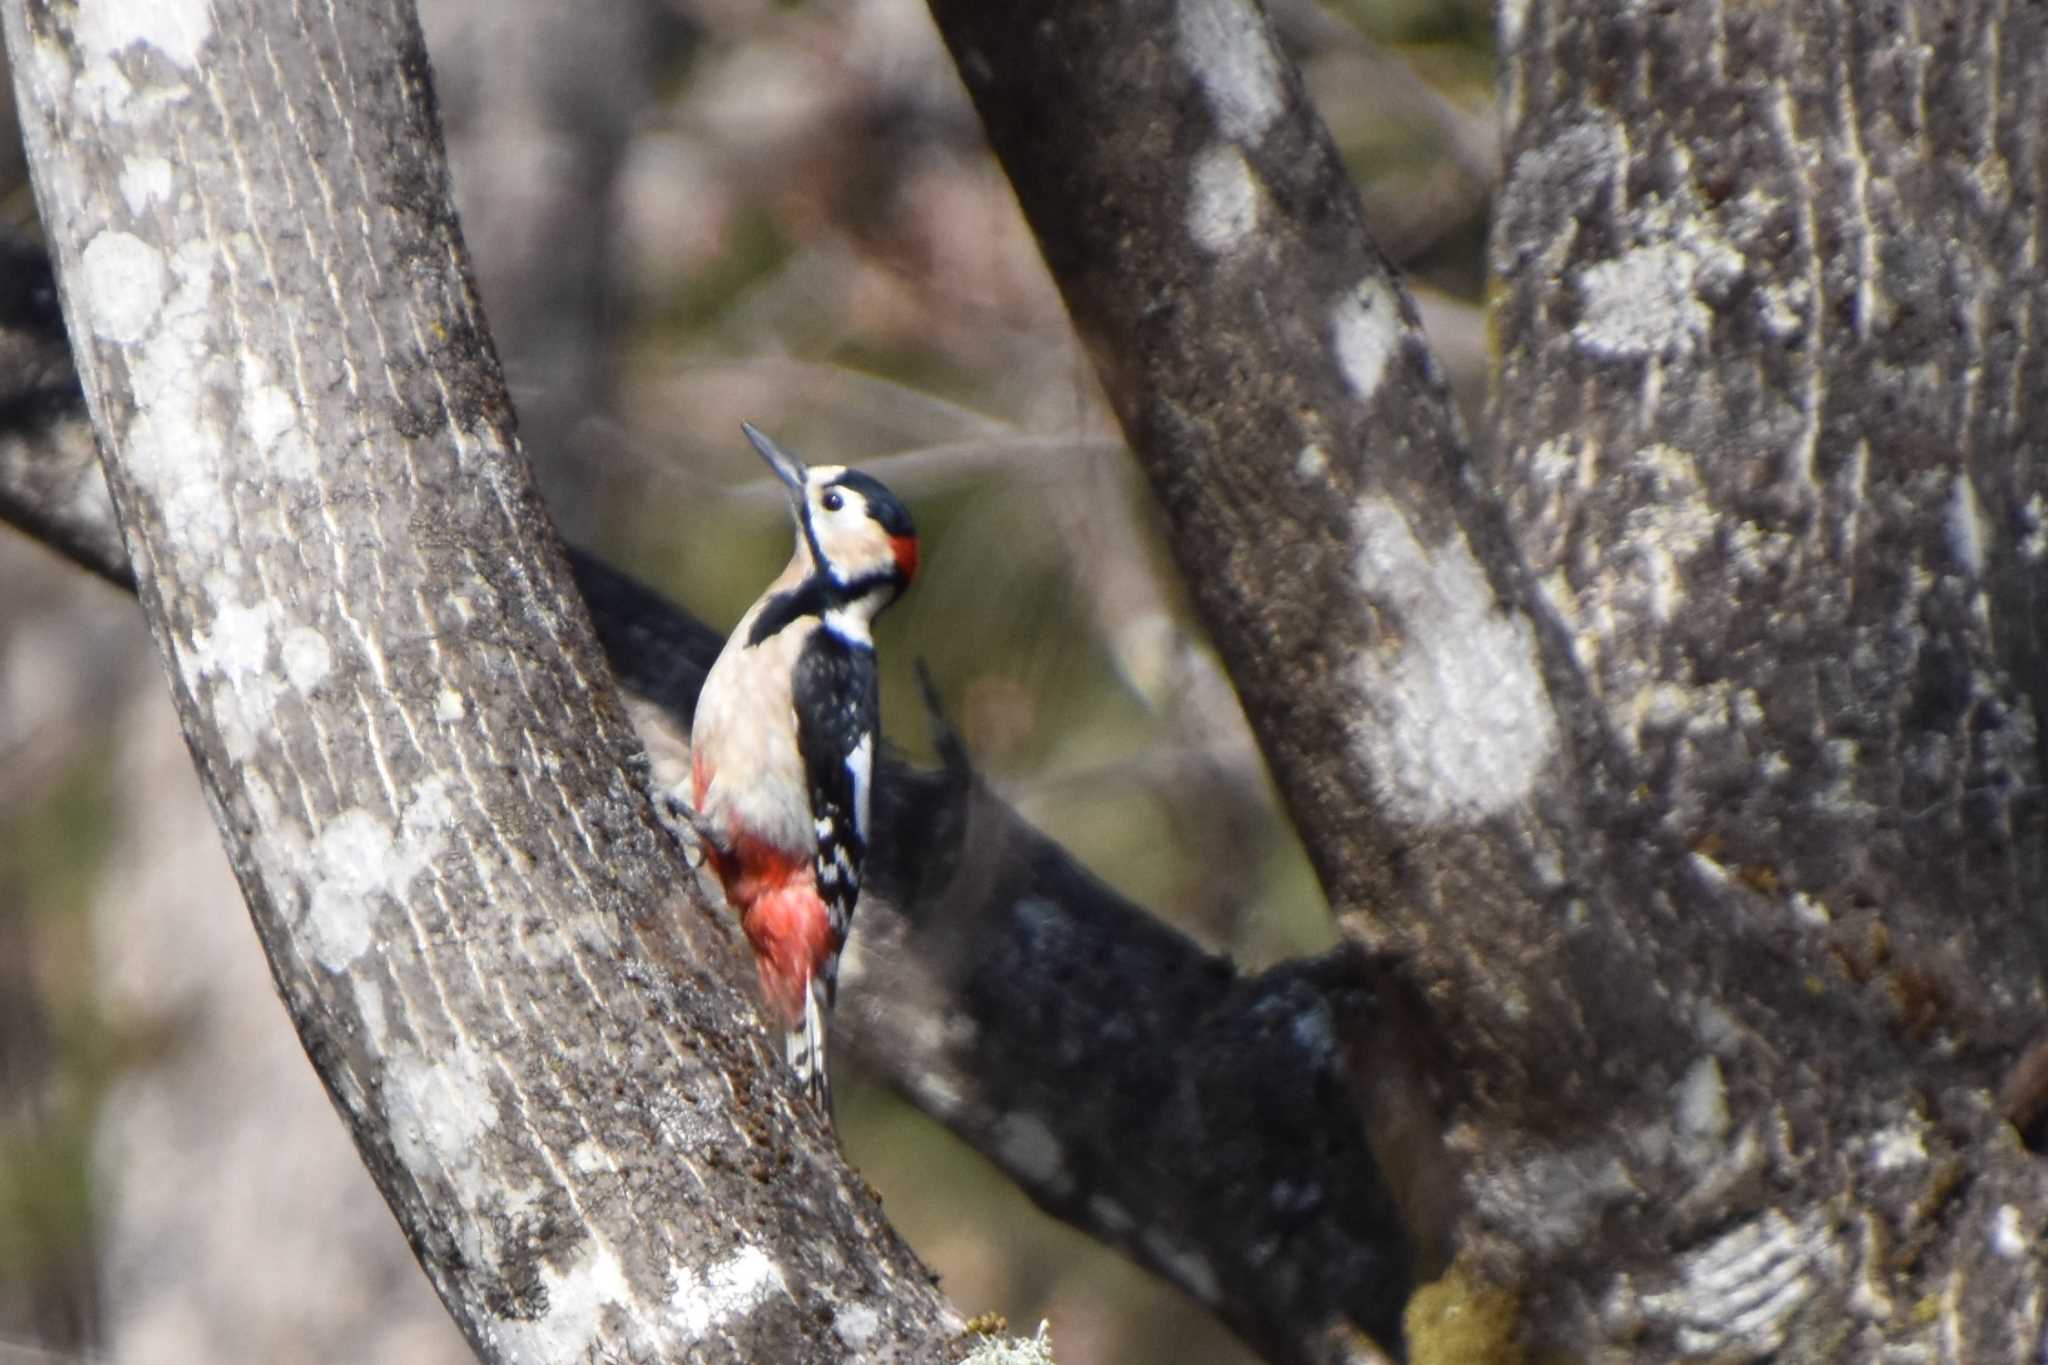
(858, 534)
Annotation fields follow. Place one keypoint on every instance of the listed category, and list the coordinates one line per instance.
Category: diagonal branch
(998, 985)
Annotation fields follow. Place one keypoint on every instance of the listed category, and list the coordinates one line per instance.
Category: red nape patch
(792, 937)
(905, 548)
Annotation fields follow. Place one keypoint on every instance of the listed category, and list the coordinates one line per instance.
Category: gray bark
(1684, 742)
(472, 919)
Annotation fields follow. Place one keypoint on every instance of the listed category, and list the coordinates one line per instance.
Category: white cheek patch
(861, 763)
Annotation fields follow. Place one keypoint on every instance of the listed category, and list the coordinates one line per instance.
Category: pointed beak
(787, 467)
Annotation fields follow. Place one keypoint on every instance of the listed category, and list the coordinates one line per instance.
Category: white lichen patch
(1672, 523)
(370, 1005)
(1965, 527)
(1223, 200)
(307, 657)
(174, 447)
(121, 281)
(1026, 1144)
(1702, 1103)
(1560, 464)
(578, 1301)
(271, 418)
(1901, 1147)
(2033, 520)
(1645, 303)
(359, 863)
(1225, 43)
(144, 181)
(449, 706)
(2008, 1238)
(1555, 1197)
(1510, 16)
(1365, 331)
(726, 1292)
(856, 1324)
(228, 668)
(236, 645)
(177, 29)
(437, 1108)
(1001, 1350)
(1454, 722)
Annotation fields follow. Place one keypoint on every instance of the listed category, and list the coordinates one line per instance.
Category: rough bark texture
(997, 984)
(1705, 800)
(427, 789)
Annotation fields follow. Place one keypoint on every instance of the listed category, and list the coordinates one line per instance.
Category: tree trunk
(1684, 741)
(428, 790)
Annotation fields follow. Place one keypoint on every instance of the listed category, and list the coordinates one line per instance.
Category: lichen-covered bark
(467, 905)
(1767, 412)
(1684, 742)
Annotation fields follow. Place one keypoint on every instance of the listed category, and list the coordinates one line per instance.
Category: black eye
(833, 502)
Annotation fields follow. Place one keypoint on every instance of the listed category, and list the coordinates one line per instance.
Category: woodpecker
(782, 749)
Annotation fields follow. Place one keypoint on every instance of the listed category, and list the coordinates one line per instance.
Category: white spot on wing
(1224, 42)
(1223, 200)
(861, 763)
(1454, 722)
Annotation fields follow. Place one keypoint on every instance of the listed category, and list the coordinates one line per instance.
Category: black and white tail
(805, 1047)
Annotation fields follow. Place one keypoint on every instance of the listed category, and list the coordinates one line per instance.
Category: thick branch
(425, 787)
(1417, 714)
(1680, 1067)
(1003, 989)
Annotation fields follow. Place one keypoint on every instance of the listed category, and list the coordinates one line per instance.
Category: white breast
(745, 731)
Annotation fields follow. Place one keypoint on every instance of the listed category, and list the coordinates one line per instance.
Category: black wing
(838, 710)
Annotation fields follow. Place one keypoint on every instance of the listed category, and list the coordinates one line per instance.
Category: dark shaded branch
(1030, 1008)
(50, 481)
